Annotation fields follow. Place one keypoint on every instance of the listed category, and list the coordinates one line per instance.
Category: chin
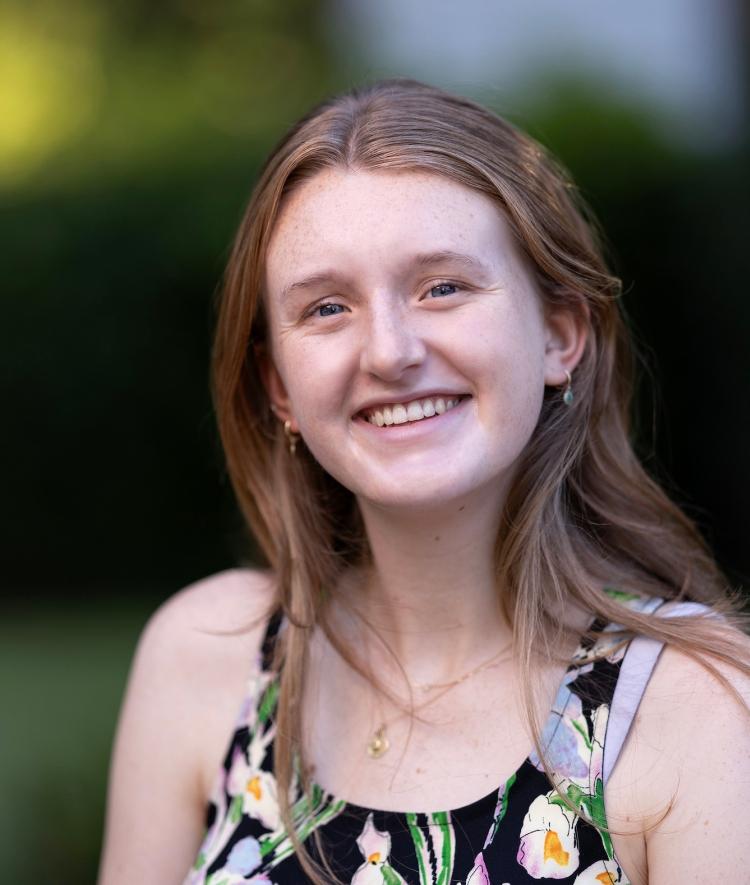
(415, 496)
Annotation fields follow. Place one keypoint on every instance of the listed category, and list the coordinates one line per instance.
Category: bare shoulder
(184, 691)
(225, 601)
(198, 650)
(695, 703)
(691, 719)
(685, 767)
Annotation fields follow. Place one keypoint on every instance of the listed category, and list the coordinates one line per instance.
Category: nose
(392, 341)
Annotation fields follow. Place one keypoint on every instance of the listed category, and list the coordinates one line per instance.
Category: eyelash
(439, 285)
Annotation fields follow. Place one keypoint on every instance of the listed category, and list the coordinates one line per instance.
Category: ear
(567, 330)
(274, 385)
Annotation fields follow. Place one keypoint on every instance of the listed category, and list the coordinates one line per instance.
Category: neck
(431, 593)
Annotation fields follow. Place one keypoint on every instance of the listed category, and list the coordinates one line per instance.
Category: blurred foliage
(62, 673)
(91, 90)
(131, 134)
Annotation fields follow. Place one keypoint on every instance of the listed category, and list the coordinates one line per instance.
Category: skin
(430, 497)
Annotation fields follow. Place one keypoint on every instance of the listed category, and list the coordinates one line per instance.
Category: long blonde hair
(581, 505)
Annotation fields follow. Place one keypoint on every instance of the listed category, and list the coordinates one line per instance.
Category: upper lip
(403, 399)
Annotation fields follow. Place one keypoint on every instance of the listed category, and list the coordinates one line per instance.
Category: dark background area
(131, 141)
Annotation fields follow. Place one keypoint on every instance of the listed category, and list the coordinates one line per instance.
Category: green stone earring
(567, 396)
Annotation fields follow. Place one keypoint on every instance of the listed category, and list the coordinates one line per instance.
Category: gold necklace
(378, 744)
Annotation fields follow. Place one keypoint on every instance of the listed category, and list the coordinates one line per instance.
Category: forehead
(382, 217)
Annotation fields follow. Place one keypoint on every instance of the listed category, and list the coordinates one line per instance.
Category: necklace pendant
(378, 744)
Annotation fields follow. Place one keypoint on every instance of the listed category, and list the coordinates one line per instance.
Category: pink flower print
(479, 874)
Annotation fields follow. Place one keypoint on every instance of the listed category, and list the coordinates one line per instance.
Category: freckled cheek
(510, 378)
(317, 385)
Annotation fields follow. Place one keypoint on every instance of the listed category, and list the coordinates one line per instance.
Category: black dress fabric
(522, 832)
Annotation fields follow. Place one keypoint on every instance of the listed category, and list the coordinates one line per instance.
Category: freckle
(436, 538)
(462, 507)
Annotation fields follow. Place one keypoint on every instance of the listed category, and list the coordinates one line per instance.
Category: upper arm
(697, 735)
(184, 691)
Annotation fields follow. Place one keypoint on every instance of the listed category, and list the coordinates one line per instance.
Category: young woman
(487, 648)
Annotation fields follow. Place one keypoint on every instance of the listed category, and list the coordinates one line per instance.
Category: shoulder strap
(635, 672)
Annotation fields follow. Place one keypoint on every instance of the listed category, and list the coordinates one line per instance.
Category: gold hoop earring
(291, 437)
(568, 396)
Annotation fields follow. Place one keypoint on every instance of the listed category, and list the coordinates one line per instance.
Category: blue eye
(444, 289)
(327, 309)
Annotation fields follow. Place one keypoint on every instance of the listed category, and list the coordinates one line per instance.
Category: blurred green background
(130, 135)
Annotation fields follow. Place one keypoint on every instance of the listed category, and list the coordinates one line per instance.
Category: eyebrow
(422, 259)
(316, 279)
(446, 256)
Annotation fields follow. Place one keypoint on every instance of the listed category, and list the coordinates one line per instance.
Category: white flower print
(548, 846)
(258, 790)
(599, 718)
(375, 847)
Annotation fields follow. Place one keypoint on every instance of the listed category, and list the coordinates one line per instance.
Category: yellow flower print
(549, 848)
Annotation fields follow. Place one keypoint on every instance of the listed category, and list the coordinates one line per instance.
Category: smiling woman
(485, 642)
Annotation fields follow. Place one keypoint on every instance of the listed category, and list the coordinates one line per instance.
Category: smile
(406, 413)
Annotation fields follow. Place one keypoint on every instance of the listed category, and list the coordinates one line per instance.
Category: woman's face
(390, 296)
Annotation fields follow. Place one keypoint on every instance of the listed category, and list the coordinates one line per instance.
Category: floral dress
(520, 833)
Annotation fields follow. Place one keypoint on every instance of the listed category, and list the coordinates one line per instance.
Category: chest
(503, 827)
(443, 750)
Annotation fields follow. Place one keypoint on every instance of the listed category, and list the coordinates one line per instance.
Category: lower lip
(411, 430)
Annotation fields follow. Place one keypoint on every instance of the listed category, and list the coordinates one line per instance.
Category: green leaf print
(583, 732)
(317, 817)
(594, 805)
(445, 870)
(501, 808)
(440, 821)
(268, 702)
(390, 876)
(199, 861)
(620, 595)
(576, 797)
(419, 847)
(235, 810)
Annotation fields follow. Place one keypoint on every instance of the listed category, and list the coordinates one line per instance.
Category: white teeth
(401, 413)
(414, 411)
